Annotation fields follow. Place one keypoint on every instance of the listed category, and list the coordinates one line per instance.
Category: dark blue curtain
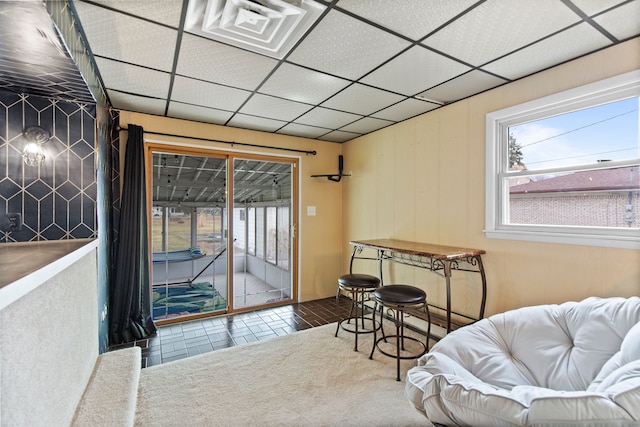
(130, 294)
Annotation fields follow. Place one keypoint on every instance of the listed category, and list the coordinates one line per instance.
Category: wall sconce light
(33, 155)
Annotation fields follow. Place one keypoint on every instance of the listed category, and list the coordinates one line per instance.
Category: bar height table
(439, 259)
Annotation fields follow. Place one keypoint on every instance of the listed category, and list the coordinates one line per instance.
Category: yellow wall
(320, 236)
(424, 180)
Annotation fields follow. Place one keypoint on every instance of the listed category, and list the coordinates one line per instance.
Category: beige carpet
(309, 378)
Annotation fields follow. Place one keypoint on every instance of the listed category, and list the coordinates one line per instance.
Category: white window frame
(497, 125)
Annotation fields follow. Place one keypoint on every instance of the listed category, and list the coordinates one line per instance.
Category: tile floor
(180, 340)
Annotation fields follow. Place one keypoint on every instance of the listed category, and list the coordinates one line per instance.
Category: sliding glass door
(262, 231)
(188, 240)
(199, 234)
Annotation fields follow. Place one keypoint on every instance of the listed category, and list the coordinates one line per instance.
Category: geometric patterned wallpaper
(57, 200)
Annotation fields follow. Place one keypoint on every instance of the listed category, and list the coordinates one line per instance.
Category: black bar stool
(357, 287)
(400, 298)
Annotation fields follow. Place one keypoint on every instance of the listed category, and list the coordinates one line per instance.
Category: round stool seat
(400, 294)
(400, 298)
(359, 287)
(359, 281)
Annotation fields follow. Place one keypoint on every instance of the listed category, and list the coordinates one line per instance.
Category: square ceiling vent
(270, 27)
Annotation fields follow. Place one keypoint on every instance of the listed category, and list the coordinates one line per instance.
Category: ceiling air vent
(270, 27)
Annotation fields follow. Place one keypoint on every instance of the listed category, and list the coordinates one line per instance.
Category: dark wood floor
(180, 340)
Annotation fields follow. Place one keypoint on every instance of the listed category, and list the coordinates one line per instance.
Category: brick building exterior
(599, 198)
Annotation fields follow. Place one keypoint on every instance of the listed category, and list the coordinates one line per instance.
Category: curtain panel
(130, 299)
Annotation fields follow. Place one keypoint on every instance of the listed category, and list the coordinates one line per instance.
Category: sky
(605, 132)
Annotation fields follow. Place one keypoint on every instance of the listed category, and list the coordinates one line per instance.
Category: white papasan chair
(576, 363)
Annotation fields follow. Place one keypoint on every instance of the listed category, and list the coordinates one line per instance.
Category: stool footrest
(362, 329)
(423, 347)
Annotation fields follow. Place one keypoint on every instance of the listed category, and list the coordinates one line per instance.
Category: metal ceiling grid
(364, 65)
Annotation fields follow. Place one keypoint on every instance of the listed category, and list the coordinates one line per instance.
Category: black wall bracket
(335, 177)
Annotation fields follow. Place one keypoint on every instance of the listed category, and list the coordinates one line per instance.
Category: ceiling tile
(118, 36)
(360, 57)
(412, 18)
(324, 117)
(130, 78)
(362, 99)
(301, 84)
(194, 112)
(303, 130)
(338, 136)
(591, 7)
(274, 108)
(257, 123)
(124, 101)
(414, 71)
(496, 28)
(407, 108)
(366, 125)
(617, 22)
(346, 47)
(566, 45)
(461, 87)
(215, 62)
(206, 94)
(164, 12)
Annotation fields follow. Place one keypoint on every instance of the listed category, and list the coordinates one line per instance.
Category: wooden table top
(421, 249)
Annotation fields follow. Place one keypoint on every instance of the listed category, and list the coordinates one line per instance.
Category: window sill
(622, 242)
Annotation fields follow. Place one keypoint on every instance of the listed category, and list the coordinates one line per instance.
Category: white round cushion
(536, 365)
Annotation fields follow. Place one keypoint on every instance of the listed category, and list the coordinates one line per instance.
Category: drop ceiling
(360, 66)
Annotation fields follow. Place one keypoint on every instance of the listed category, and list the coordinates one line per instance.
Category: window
(239, 241)
(565, 168)
(260, 233)
(171, 229)
(209, 230)
(283, 237)
(251, 229)
(271, 235)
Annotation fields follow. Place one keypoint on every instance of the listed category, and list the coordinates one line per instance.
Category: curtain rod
(313, 153)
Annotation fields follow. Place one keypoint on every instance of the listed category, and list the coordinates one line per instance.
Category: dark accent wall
(57, 200)
(70, 196)
(67, 23)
